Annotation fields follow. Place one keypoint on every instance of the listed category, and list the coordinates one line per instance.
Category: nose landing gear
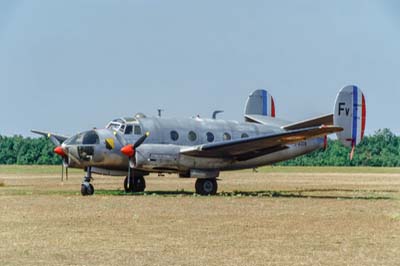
(87, 189)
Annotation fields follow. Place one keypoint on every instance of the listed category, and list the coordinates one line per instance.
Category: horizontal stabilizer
(265, 120)
(326, 120)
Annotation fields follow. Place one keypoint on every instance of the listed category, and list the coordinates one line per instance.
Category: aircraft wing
(248, 148)
(55, 138)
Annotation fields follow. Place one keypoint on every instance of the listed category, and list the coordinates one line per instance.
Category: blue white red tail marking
(350, 114)
(268, 104)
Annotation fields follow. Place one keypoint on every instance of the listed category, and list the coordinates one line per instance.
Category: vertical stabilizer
(260, 102)
(350, 114)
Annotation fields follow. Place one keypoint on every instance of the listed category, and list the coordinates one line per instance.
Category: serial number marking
(301, 144)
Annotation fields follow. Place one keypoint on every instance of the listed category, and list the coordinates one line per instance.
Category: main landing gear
(87, 189)
(135, 184)
(207, 186)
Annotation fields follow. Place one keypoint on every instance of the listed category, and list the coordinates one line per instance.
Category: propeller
(130, 151)
(60, 152)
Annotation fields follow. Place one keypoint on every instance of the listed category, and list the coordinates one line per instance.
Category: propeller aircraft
(201, 148)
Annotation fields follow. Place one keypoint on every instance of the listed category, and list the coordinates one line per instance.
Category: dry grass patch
(275, 218)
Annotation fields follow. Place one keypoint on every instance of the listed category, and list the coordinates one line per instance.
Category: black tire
(206, 187)
(87, 189)
(138, 184)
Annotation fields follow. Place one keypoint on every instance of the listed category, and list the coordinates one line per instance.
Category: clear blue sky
(67, 66)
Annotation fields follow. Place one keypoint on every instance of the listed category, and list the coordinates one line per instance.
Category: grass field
(277, 216)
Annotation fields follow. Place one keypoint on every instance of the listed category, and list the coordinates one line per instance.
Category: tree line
(21, 150)
(381, 149)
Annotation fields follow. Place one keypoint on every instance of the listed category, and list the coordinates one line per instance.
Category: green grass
(55, 169)
(33, 169)
(340, 195)
(328, 169)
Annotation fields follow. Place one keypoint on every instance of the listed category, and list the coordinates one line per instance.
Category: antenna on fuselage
(159, 112)
(214, 115)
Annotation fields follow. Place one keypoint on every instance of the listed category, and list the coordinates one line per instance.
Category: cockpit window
(122, 128)
(119, 121)
(127, 126)
(129, 129)
(114, 126)
(90, 137)
(138, 130)
(77, 139)
(85, 138)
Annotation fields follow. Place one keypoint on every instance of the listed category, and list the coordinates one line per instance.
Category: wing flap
(244, 148)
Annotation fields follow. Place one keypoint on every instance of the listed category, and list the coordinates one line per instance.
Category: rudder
(350, 114)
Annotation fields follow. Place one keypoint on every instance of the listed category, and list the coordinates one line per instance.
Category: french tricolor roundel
(350, 113)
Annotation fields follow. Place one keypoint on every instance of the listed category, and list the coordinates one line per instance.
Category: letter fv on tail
(343, 108)
(350, 114)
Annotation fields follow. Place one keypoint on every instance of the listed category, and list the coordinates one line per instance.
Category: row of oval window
(192, 136)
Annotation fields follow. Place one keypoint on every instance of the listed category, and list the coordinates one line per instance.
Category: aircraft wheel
(138, 185)
(207, 186)
(87, 189)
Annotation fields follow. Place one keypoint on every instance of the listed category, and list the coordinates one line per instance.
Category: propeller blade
(66, 173)
(141, 140)
(130, 150)
(62, 172)
(129, 177)
(132, 162)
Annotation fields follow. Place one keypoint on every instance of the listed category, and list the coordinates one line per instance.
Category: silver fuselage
(161, 152)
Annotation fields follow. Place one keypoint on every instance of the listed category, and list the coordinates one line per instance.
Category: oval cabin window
(174, 135)
(210, 137)
(227, 136)
(192, 136)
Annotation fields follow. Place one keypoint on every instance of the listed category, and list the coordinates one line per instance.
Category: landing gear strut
(208, 186)
(136, 184)
(87, 189)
